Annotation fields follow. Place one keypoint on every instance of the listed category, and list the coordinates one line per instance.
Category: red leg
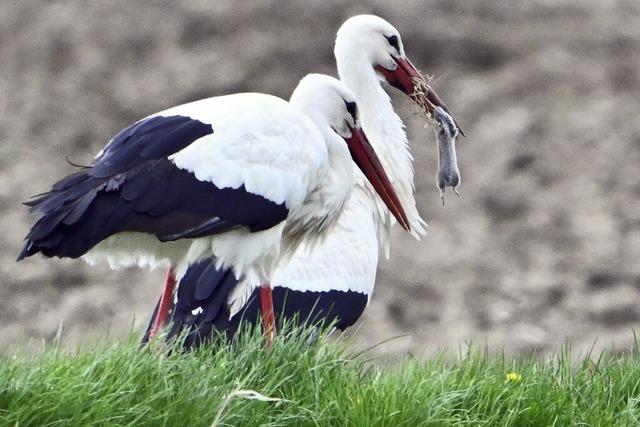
(268, 315)
(165, 303)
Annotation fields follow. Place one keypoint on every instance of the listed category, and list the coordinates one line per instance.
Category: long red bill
(367, 160)
(405, 77)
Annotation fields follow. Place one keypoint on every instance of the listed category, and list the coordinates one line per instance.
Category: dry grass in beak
(427, 100)
(420, 99)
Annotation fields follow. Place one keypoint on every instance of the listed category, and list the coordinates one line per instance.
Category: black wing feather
(148, 139)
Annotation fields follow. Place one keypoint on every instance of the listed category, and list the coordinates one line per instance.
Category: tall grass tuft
(296, 383)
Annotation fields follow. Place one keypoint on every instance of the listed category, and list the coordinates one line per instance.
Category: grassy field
(242, 384)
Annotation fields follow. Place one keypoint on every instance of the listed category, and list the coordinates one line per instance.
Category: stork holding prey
(242, 178)
(333, 280)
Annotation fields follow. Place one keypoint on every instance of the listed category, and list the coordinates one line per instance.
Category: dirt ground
(542, 248)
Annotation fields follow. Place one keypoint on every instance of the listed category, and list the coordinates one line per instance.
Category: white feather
(345, 260)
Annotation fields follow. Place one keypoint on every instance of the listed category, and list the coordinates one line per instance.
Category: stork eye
(352, 109)
(393, 41)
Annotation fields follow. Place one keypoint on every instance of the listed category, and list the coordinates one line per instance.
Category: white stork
(241, 178)
(334, 279)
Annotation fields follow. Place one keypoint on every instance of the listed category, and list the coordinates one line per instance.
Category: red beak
(403, 78)
(367, 160)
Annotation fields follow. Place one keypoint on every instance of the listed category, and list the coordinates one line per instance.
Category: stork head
(332, 107)
(366, 43)
(370, 41)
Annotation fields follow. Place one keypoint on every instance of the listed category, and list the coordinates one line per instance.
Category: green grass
(117, 383)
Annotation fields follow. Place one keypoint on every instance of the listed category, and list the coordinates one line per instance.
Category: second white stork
(333, 281)
(241, 178)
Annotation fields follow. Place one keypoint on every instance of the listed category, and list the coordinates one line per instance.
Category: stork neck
(386, 133)
(325, 203)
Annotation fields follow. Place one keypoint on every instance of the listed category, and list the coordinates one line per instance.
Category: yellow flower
(514, 376)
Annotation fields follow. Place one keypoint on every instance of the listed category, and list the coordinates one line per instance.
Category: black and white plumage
(240, 177)
(340, 271)
(133, 187)
(208, 289)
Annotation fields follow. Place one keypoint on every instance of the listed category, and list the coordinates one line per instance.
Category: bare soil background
(543, 246)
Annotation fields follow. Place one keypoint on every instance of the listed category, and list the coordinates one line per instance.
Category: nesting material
(420, 97)
(427, 100)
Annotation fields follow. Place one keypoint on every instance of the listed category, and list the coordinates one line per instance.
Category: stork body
(232, 167)
(239, 179)
(333, 281)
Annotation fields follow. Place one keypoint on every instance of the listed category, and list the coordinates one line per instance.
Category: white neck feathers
(386, 133)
